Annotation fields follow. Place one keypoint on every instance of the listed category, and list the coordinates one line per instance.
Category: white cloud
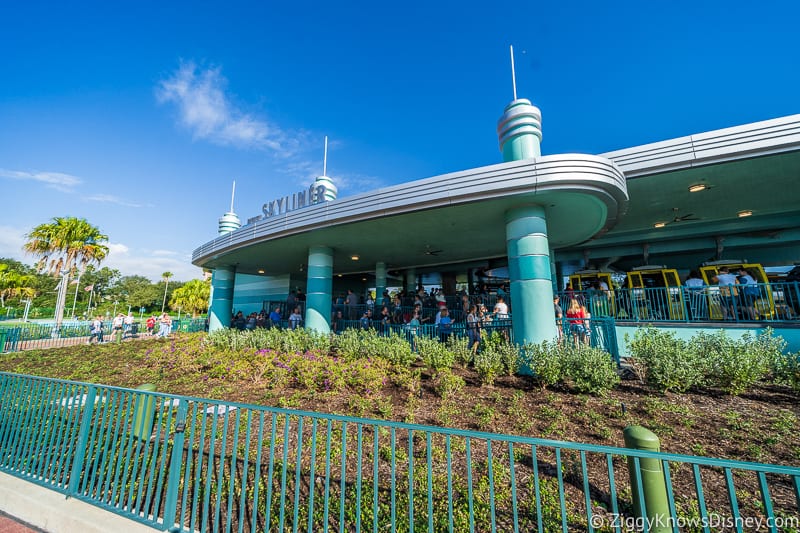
(111, 199)
(150, 264)
(208, 112)
(11, 241)
(56, 180)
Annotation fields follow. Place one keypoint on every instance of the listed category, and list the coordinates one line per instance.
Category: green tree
(165, 276)
(64, 245)
(138, 291)
(192, 297)
(14, 284)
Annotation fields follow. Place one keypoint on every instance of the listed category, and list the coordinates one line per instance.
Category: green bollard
(653, 487)
(118, 336)
(143, 412)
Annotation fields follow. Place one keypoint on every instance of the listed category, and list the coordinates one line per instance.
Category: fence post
(653, 490)
(143, 412)
(83, 437)
(173, 482)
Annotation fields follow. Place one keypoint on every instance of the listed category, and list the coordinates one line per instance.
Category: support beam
(222, 283)
(380, 283)
(319, 289)
(411, 281)
(529, 272)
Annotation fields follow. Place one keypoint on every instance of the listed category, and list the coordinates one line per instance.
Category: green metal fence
(37, 336)
(190, 464)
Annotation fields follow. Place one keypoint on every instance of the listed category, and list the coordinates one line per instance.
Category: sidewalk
(9, 524)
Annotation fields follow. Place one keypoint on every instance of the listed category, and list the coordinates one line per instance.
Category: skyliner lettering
(311, 196)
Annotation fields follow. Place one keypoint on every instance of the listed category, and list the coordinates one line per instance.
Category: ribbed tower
(324, 181)
(519, 130)
(330, 189)
(520, 133)
(230, 220)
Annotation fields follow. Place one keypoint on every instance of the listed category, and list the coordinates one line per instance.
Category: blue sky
(138, 116)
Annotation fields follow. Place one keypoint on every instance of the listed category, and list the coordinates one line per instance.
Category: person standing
(473, 329)
(559, 313)
(116, 326)
(128, 326)
(151, 325)
(295, 319)
(727, 289)
(96, 330)
(501, 309)
(350, 303)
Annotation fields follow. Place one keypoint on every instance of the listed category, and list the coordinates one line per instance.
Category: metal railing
(760, 302)
(192, 464)
(39, 336)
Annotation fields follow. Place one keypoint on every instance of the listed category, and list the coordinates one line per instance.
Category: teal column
(222, 282)
(554, 271)
(319, 289)
(411, 281)
(380, 284)
(529, 272)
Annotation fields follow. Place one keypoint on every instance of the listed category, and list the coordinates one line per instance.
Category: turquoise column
(222, 282)
(380, 284)
(529, 272)
(554, 271)
(319, 289)
(519, 131)
(411, 281)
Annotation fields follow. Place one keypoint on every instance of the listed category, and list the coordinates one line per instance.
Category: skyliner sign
(315, 194)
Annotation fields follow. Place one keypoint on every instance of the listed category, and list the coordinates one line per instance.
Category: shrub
(545, 361)
(590, 370)
(736, 365)
(434, 354)
(786, 370)
(354, 344)
(667, 361)
(460, 348)
(447, 384)
(488, 364)
(283, 340)
(505, 351)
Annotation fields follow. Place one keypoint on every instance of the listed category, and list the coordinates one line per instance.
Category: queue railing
(186, 464)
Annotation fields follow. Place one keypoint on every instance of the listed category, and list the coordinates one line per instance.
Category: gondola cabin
(655, 293)
(740, 300)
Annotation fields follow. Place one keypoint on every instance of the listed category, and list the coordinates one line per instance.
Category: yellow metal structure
(656, 292)
(596, 289)
(763, 305)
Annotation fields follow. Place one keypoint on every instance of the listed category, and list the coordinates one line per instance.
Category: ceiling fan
(681, 218)
(429, 251)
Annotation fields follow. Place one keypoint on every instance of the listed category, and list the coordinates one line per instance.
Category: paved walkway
(10, 524)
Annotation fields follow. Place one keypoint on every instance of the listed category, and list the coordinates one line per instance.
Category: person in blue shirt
(275, 317)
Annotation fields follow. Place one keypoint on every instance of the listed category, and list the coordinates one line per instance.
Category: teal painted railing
(191, 464)
(35, 336)
(759, 302)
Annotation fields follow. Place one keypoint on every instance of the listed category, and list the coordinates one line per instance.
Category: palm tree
(192, 297)
(165, 276)
(13, 284)
(62, 246)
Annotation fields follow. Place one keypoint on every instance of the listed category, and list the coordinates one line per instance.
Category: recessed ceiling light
(261, 271)
(354, 257)
(339, 275)
(363, 279)
(659, 224)
(745, 213)
(698, 187)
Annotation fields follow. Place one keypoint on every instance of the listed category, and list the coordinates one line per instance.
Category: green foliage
(294, 340)
(488, 365)
(668, 363)
(436, 355)
(447, 384)
(545, 361)
(460, 348)
(359, 344)
(734, 365)
(192, 297)
(505, 351)
(590, 370)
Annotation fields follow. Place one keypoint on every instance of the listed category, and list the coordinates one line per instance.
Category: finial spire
(513, 73)
(233, 193)
(325, 158)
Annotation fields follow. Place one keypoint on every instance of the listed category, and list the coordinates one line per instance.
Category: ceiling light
(363, 279)
(261, 271)
(745, 213)
(659, 224)
(339, 275)
(354, 257)
(698, 187)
